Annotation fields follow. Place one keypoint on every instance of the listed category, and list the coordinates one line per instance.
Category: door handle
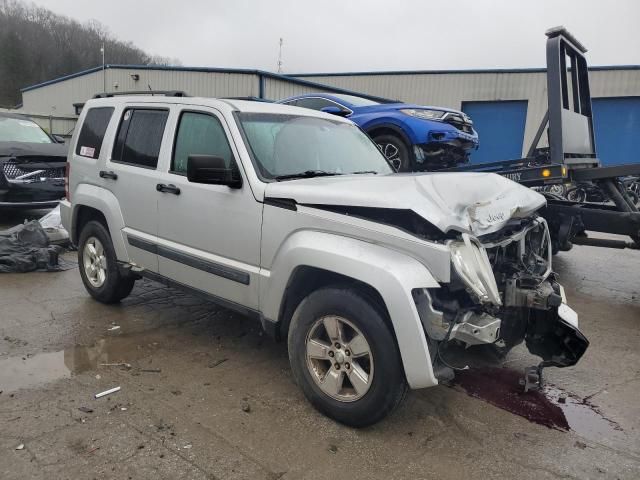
(110, 174)
(171, 188)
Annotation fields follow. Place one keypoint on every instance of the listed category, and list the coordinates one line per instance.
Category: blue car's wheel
(395, 151)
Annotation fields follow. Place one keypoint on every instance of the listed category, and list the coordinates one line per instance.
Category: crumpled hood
(477, 203)
(25, 149)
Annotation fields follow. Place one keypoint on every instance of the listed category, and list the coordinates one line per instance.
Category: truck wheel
(345, 358)
(395, 151)
(99, 267)
(578, 195)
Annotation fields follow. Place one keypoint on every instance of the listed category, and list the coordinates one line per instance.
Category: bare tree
(38, 45)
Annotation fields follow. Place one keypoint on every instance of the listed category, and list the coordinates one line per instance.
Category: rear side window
(199, 133)
(92, 133)
(315, 103)
(140, 136)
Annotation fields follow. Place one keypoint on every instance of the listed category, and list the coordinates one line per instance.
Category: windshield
(355, 101)
(284, 145)
(21, 130)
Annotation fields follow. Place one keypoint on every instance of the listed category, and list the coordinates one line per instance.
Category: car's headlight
(423, 113)
(472, 264)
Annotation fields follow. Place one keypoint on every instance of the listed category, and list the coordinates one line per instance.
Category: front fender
(394, 275)
(106, 202)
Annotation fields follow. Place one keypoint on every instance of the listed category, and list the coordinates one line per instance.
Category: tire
(578, 195)
(386, 386)
(110, 286)
(395, 150)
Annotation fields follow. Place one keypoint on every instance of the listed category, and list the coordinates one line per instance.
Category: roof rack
(166, 93)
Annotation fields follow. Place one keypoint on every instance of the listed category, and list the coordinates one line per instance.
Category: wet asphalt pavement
(205, 395)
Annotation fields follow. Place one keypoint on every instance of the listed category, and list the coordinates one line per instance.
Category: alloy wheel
(339, 358)
(94, 262)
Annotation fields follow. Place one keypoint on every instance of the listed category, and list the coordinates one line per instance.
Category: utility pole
(280, 56)
(104, 78)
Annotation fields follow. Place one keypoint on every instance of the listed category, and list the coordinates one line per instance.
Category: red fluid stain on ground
(550, 407)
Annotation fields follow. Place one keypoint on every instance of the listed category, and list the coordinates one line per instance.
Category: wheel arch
(309, 260)
(389, 129)
(95, 203)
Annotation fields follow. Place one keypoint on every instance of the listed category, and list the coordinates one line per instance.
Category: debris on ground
(107, 392)
(215, 363)
(52, 225)
(85, 409)
(187, 447)
(26, 248)
(114, 328)
(246, 407)
(151, 370)
(333, 448)
(20, 447)
(126, 366)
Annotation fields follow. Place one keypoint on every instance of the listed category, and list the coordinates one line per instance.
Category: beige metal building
(503, 103)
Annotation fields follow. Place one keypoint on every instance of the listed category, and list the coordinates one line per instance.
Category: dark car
(412, 137)
(32, 164)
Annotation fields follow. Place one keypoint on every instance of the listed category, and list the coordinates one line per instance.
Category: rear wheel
(395, 150)
(344, 357)
(99, 266)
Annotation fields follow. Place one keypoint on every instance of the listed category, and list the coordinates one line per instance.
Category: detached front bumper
(554, 336)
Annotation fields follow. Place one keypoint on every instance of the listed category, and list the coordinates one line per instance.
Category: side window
(92, 133)
(292, 103)
(139, 137)
(315, 103)
(199, 133)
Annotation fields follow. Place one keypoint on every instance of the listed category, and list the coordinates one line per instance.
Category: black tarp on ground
(26, 248)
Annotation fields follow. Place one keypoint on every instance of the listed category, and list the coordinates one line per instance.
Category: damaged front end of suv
(503, 292)
(483, 241)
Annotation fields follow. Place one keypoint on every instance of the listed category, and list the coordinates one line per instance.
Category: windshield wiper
(364, 171)
(306, 174)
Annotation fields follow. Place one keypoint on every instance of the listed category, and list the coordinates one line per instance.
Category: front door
(131, 174)
(208, 235)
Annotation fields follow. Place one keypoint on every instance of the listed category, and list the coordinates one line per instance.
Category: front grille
(458, 122)
(13, 170)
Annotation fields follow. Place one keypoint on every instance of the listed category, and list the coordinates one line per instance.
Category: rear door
(131, 173)
(208, 235)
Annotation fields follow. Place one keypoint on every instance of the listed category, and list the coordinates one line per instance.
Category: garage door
(500, 127)
(617, 127)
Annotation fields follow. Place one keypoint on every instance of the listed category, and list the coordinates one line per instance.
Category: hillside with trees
(38, 45)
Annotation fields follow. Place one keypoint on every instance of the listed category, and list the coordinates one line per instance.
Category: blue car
(412, 137)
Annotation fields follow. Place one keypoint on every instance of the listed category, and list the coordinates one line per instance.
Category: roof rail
(250, 99)
(166, 93)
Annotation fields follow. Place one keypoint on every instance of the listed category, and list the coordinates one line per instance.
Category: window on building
(140, 136)
(93, 130)
(199, 134)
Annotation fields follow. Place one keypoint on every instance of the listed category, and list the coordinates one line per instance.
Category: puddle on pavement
(500, 387)
(32, 371)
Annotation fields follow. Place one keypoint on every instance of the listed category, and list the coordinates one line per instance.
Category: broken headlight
(472, 264)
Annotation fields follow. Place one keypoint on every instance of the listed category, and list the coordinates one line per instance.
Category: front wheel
(395, 150)
(99, 266)
(344, 357)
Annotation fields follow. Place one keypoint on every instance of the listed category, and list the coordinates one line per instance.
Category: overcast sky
(357, 35)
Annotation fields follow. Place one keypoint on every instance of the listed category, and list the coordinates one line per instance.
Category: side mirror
(212, 170)
(341, 112)
(58, 138)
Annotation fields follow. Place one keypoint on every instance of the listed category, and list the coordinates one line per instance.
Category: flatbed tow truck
(571, 157)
